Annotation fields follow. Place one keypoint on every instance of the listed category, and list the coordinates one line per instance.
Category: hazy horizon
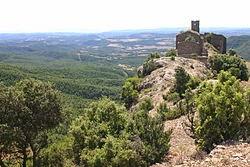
(161, 29)
(93, 16)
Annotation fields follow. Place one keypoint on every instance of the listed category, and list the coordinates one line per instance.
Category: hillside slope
(241, 44)
(158, 84)
(183, 150)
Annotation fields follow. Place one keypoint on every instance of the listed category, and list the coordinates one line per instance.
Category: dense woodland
(76, 80)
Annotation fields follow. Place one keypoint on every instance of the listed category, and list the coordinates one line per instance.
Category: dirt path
(182, 146)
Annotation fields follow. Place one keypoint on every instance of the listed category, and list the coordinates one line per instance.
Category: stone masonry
(190, 44)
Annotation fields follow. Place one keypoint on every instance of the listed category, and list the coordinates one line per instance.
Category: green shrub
(148, 137)
(100, 119)
(130, 91)
(165, 113)
(149, 65)
(146, 105)
(193, 83)
(174, 114)
(57, 154)
(106, 135)
(162, 111)
(231, 52)
(181, 80)
(223, 110)
(115, 152)
(172, 97)
(231, 63)
(171, 53)
(154, 56)
(245, 126)
(172, 58)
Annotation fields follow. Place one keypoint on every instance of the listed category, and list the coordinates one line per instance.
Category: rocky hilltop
(161, 80)
(183, 151)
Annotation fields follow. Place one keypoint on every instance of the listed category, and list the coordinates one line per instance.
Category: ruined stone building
(192, 44)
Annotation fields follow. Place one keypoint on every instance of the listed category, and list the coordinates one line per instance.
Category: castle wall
(190, 44)
(189, 49)
(183, 36)
(218, 41)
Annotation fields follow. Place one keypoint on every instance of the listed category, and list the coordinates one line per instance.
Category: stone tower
(195, 26)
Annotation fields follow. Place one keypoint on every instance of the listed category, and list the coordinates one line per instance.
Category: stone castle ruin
(193, 44)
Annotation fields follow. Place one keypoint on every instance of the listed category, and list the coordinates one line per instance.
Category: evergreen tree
(28, 110)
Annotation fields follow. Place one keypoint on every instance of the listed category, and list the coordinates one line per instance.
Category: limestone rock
(161, 80)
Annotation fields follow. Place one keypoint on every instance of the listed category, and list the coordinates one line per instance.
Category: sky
(107, 15)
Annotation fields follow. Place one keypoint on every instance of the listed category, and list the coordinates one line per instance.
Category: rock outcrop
(161, 80)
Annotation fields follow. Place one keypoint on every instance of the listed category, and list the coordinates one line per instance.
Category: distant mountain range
(223, 30)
